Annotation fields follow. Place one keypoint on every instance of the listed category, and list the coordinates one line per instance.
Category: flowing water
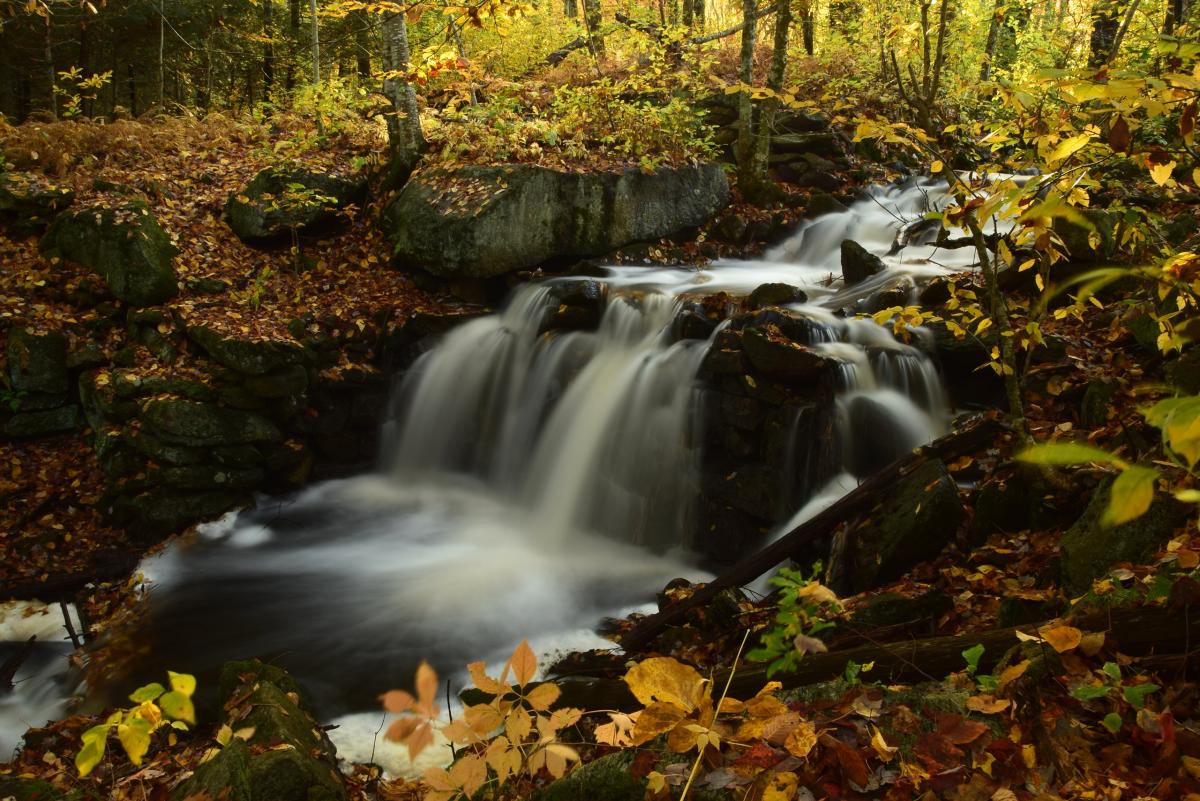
(532, 483)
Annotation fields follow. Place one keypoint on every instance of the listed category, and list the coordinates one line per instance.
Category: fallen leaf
(1061, 638)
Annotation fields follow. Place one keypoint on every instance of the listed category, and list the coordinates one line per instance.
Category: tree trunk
(268, 56)
(808, 31)
(688, 16)
(315, 29)
(745, 138)
(51, 75)
(571, 9)
(769, 106)
(289, 78)
(1106, 21)
(592, 19)
(362, 43)
(698, 14)
(405, 140)
(993, 39)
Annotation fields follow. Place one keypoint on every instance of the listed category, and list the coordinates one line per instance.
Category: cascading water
(520, 465)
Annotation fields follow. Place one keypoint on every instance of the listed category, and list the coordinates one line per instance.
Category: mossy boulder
(31, 201)
(197, 424)
(775, 355)
(40, 424)
(282, 199)
(858, 263)
(123, 244)
(1090, 549)
(37, 362)
(478, 222)
(225, 776)
(247, 355)
(605, 779)
(290, 775)
(915, 520)
(161, 511)
(775, 295)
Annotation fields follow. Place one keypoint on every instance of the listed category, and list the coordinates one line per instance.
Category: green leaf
(184, 683)
(1112, 721)
(1112, 670)
(972, 655)
(178, 706)
(94, 741)
(1130, 496)
(1066, 453)
(1090, 692)
(1136, 694)
(134, 735)
(147, 693)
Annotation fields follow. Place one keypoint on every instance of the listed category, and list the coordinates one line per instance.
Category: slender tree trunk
(162, 46)
(1106, 21)
(769, 106)
(808, 24)
(289, 78)
(51, 75)
(571, 9)
(268, 56)
(745, 140)
(699, 11)
(362, 43)
(993, 39)
(688, 16)
(592, 19)
(315, 31)
(1124, 29)
(405, 139)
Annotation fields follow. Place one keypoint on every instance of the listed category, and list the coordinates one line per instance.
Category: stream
(530, 485)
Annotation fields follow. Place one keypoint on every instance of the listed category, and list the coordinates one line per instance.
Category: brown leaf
(987, 704)
(1061, 638)
(1118, 136)
(801, 740)
(655, 719)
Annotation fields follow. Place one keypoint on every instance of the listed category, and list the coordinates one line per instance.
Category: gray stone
(279, 200)
(282, 383)
(124, 245)
(917, 517)
(39, 424)
(858, 263)
(480, 222)
(1090, 549)
(773, 354)
(775, 295)
(162, 511)
(197, 424)
(37, 362)
(249, 356)
(31, 201)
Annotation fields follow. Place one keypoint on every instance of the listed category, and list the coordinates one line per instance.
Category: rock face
(858, 264)
(293, 760)
(1089, 549)
(36, 398)
(31, 202)
(124, 244)
(917, 518)
(479, 222)
(279, 200)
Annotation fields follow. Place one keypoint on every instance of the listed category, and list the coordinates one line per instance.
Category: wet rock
(580, 306)
(37, 362)
(196, 424)
(793, 324)
(858, 263)
(725, 356)
(916, 518)
(486, 221)
(279, 200)
(896, 293)
(124, 245)
(249, 356)
(821, 203)
(1077, 239)
(775, 355)
(227, 776)
(206, 477)
(799, 122)
(693, 322)
(39, 424)
(31, 201)
(162, 511)
(1090, 549)
(935, 293)
(775, 295)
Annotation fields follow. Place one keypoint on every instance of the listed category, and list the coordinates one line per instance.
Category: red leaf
(854, 767)
(958, 729)
(1118, 136)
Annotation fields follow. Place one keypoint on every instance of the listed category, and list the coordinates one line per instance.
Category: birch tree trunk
(745, 141)
(405, 139)
(769, 106)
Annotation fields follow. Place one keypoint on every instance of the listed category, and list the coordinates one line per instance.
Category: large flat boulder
(124, 244)
(479, 222)
(283, 199)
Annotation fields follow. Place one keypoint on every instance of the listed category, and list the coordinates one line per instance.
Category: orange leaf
(523, 663)
(543, 695)
(987, 704)
(397, 701)
(801, 740)
(1061, 638)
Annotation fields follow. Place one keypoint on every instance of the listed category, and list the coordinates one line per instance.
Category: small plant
(294, 205)
(1107, 681)
(254, 294)
(156, 707)
(798, 621)
(72, 89)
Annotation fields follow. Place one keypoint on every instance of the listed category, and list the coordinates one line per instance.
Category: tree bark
(745, 137)
(808, 30)
(1106, 21)
(362, 43)
(51, 75)
(592, 19)
(770, 105)
(993, 40)
(268, 56)
(405, 139)
(315, 36)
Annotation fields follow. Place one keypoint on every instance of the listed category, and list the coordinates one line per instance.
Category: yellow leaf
(224, 735)
(987, 704)
(618, 731)
(523, 663)
(1161, 173)
(781, 787)
(1196, 176)
(1068, 147)
(134, 735)
(801, 740)
(543, 696)
(664, 679)
(178, 706)
(484, 681)
(183, 683)
(1061, 638)
(94, 741)
(1131, 495)
(1011, 674)
(658, 717)
(886, 752)
(936, 167)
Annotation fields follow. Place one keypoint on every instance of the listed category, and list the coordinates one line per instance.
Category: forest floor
(1027, 732)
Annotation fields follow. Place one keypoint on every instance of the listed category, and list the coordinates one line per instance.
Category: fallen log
(979, 432)
(1165, 635)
